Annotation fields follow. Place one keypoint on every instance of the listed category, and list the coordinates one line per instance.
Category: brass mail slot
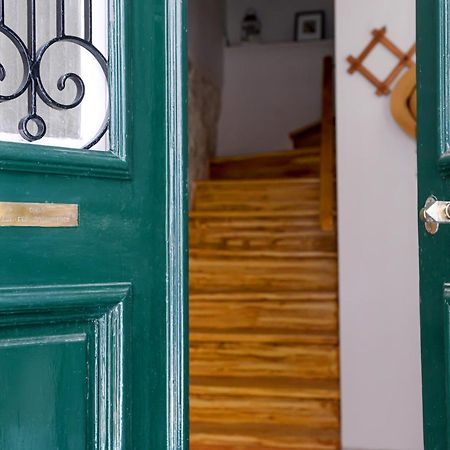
(43, 215)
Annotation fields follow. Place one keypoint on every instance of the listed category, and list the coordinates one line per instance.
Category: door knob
(435, 213)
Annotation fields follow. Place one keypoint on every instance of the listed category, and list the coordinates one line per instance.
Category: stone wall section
(203, 119)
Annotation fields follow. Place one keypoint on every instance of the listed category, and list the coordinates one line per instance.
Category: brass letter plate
(43, 215)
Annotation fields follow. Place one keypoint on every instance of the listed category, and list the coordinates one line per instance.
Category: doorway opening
(264, 352)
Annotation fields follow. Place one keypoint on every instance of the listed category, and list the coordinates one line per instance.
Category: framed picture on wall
(309, 26)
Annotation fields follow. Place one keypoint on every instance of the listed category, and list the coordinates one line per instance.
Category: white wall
(277, 18)
(380, 348)
(269, 90)
(206, 24)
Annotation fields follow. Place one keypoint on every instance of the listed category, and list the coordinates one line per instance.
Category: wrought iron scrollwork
(32, 58)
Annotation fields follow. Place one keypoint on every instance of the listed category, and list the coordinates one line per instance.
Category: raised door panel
(62, 359)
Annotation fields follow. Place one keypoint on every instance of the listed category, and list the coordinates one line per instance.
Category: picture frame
(309, 26)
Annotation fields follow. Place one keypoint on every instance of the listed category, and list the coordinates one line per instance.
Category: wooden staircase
(263, 307)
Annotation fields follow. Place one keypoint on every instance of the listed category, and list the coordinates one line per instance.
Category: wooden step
(284, 315)
(264, 355)
(263, 296)
(267, 359)
(270, 336)
(266, 214)
(311, 135)
(264, 274)
(271, 410)
(279, 164)
(280, 387)
(257, 195)
(257, 186)
(254, 232)
(257, 239)
(206, 436)
(287, 254)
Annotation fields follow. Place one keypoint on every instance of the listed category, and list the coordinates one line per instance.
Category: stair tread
(270, 409)
(258, 296)
(268, 194)
(259, 221)
(196, 214)
(300, 317)
(280, 164)
(235, 260)
(267, 155)
(260, 182)
(252, 239)
(205, 436)
(266, 387)
(234, 206)
(246, 243)
(268, 274)
(258, 233)
(270, 335)
(237, 254)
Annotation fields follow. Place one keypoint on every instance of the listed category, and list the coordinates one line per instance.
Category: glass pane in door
(54, 73)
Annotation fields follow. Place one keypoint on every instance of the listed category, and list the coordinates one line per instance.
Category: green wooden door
(92, 240)
(433, 58)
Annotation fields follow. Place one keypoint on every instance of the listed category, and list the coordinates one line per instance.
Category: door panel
(93, 347)
(61, 358)
(434, 180)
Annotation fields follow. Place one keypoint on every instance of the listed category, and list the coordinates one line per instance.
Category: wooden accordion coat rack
(403, 99)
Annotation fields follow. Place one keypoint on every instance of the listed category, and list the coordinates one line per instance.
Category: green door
(92, 230)
(434, 190)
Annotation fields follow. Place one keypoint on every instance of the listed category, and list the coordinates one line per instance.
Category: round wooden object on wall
(404, 102)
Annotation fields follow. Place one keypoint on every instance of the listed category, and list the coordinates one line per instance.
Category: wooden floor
(264, 310)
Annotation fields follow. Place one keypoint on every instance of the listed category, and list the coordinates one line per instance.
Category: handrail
(327, 151)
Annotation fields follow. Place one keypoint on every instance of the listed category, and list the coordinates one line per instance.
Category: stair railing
(327, 151)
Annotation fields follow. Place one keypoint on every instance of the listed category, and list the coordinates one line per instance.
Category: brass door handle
(434, 214)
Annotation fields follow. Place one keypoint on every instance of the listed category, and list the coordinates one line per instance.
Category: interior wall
(206, 31)
(269, 91)
(277, 18)
(379, 299)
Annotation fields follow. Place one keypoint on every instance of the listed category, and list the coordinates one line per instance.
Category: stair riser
(270, 360)
(248, 240)
(270, 411)
(292, 390)
(250, 206)
(270, 188)
(282, 256)
(298, 338)
(198, 444)
(294, 164)
(212, 441)
(309, 167)
(285, 316)
(264, 275)
(264, 297)
(241, 194)
(228, 226)
(212, 197)
(258, 186)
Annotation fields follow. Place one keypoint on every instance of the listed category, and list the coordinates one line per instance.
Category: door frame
(177, 340)
(434, 166)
